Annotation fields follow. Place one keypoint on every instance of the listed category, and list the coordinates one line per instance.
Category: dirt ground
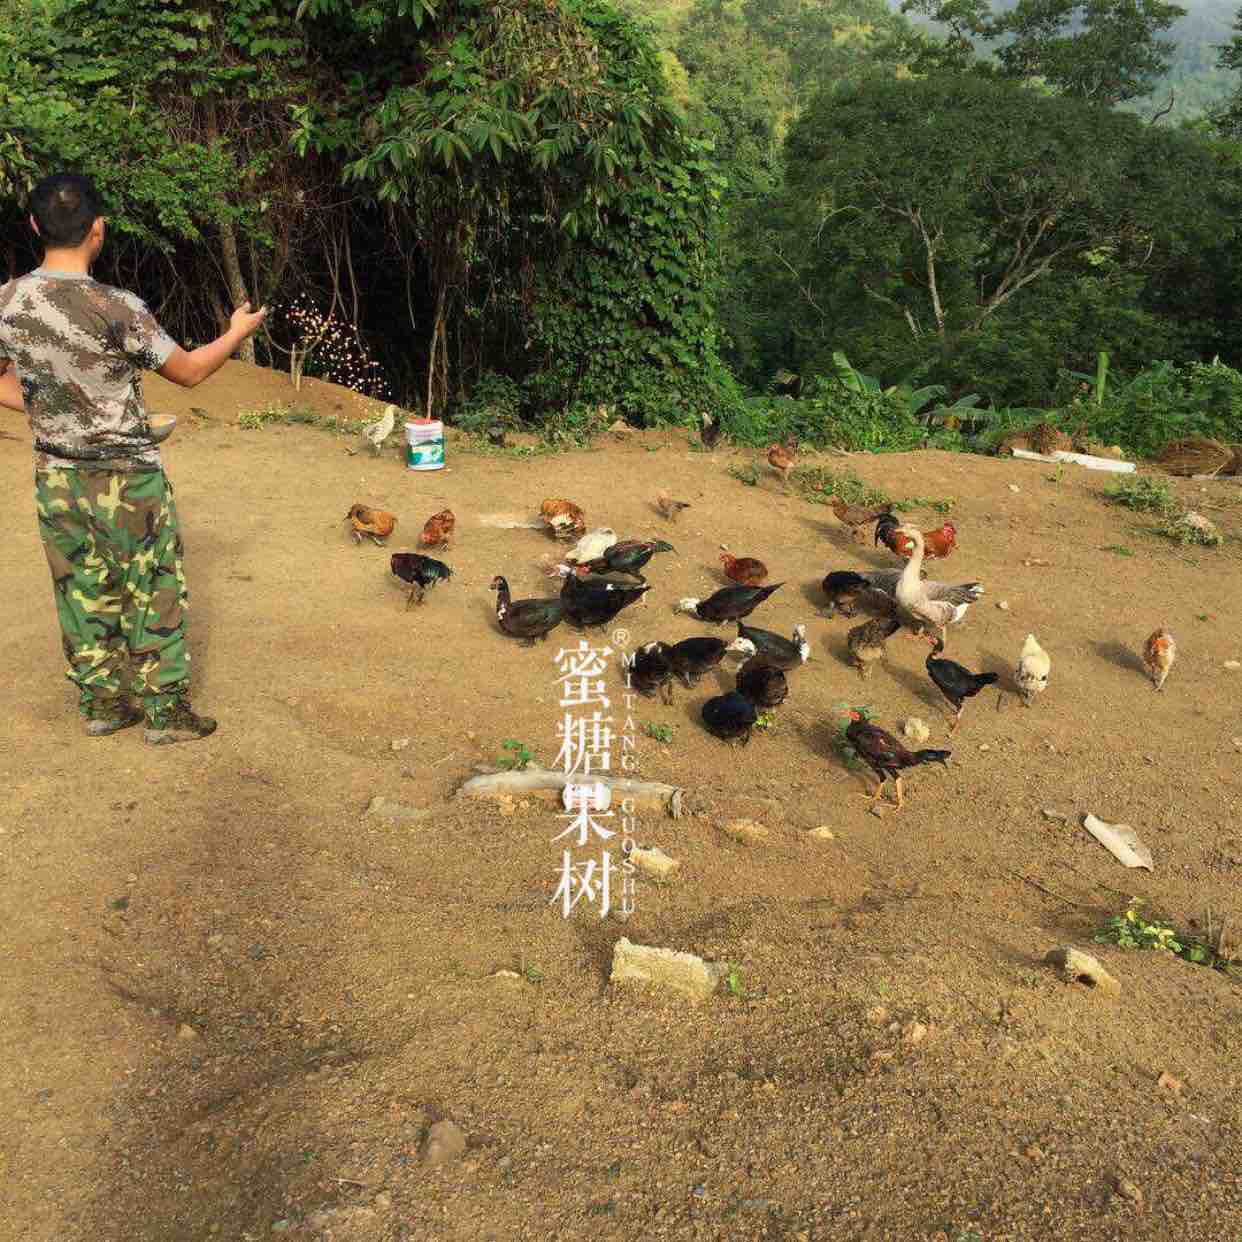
(336, 969)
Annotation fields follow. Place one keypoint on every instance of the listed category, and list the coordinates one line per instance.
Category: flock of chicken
(601, 576)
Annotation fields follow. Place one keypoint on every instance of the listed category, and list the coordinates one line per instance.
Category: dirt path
(334, 968)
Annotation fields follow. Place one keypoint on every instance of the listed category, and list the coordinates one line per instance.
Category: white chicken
(1034, 666)
(591, 546)
(378, 432)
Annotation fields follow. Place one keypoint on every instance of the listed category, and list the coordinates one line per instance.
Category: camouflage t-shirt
(80, 348)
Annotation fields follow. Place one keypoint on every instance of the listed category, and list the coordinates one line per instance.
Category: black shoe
(110, 716)
(180, 725)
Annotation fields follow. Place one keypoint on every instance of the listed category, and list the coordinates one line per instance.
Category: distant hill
(1196, 83)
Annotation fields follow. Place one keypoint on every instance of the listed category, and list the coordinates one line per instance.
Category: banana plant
(914, 399)
(851, 377)
(1098, 380)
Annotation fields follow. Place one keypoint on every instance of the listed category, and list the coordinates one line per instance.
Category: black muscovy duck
(762, 682)
(652, 670)
(692, 657)
(730, 716)
(728, 604)
(628, 557)
(785, 653)
(955, 682)
(595, 602)
(527, 619)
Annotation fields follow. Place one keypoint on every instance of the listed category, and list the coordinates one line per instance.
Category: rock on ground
(445, 1141)
(681, 972)
(1079, 967)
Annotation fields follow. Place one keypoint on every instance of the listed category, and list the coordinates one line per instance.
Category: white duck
(912, 594)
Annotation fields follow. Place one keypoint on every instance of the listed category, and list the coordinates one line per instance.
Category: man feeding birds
(72, 353)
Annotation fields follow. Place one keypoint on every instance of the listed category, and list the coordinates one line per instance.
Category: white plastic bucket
(425, 445)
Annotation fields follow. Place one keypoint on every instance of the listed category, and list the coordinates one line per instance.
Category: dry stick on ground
(1097, 883)
(1036, 884)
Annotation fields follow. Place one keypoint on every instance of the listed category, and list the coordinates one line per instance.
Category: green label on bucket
(426, 455)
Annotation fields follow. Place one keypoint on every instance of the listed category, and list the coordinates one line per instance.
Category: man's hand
(10, 389)
(244, 322)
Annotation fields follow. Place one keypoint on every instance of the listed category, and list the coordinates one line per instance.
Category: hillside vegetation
(864, 227)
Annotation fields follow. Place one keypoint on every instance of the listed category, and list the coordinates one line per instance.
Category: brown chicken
(886, 756)
(564, 518)
(866, 642)
(783, 457)
(437, 529)
(374, 523)
(743, 569)
(937, 544)
(856, 516)
(669, 507)
(1159, 652)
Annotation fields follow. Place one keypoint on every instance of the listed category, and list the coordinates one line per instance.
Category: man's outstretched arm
(192, 367)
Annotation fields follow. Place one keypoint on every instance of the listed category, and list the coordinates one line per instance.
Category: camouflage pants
(114, 549)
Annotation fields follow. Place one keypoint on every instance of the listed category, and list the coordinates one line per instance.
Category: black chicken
(527, 619)
(762, 682)
(843, 588)
(711, 432)
(728, 604)
(692, 657)
(652, 670)
(420, 572)
(955, 682)
(730, 716)
(885, 755)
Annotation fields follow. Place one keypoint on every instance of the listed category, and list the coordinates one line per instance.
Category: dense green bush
(835, 416)
(1163, 403)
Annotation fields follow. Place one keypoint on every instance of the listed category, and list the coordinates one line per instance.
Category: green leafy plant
(1178, 530)
(938, 504)
(819, 485)
(733, 981)
(277, 415)
(1142, 494)
(494, 404)
(1164, 402)
(748, 474)
(1134, 930)
(517, 759)
(1097, 381)
(660, 732)
(1119, 548)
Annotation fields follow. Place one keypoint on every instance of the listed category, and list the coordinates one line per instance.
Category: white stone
(680, 972)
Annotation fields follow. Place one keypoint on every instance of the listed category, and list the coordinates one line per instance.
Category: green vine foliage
(628, 319)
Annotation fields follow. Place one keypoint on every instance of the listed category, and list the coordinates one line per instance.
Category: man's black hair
(64, 206)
